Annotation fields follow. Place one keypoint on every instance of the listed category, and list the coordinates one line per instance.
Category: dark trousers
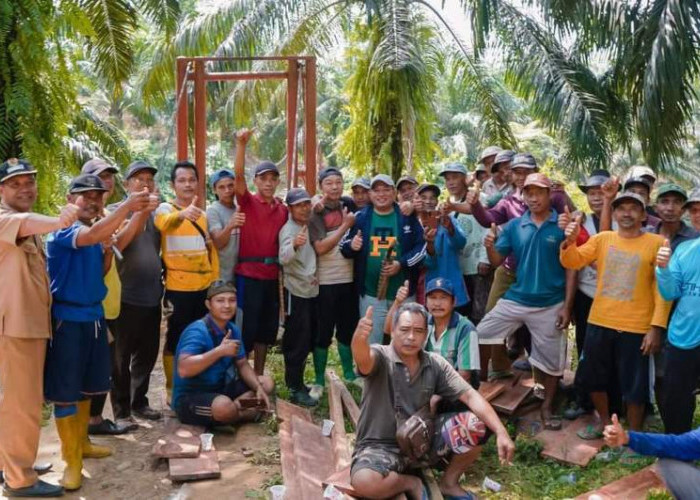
(300, 331)
(188, 307)
(681, 478)
(339, 312)
(97, 402)
(478, 288)
(682, 372)
(135, 353)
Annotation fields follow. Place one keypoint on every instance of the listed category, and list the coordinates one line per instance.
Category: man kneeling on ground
(214, 383)
(400, 380)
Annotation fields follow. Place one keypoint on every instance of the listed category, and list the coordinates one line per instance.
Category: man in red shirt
(257, 271)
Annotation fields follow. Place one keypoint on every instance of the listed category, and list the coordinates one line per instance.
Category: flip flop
(590, 433)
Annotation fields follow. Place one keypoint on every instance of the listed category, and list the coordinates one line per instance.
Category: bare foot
(416, 491)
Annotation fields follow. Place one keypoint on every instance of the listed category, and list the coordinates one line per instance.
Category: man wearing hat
(643, 187)
(481, 174)
(26, 326)
(627, 315)
(298, 261)
(137, 337)
(213, 377)
(693, 208)
(377, 228)
(499, 185)
(360, 192)
(225, 222)
(78, 358)
(488, 156)
(406, 188)
(337, 297)
(257, 271)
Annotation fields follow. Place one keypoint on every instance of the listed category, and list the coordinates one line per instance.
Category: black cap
(265, 167)
(86, 182)
(503, 156)
(638, 180)
(14, 167)
(297, 195)
(523, 160)
(327, 172)
(429, 187)
(96, 166)
(596, 179)
(138, 166)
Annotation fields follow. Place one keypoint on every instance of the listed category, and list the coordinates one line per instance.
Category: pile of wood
(181, 446)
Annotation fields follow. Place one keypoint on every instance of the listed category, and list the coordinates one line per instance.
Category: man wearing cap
(627, 315)
(213, 377)
(693, 208)
(78, 358)
(257, 271)
(337, 297)
(25, 327)
(360, 192)
(189, 258)
(643, 187)
(543, 293)
(488, 156)
(377, 228)
(298, 261)
(225, 222)
(499, 185)
(406, 188)
(137, 337)
(481, 174)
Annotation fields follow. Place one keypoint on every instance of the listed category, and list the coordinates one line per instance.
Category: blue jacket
(681, 446)
(445, 262)
(410, 240)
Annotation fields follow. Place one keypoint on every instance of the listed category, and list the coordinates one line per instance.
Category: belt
(75, 304)
(263, 260)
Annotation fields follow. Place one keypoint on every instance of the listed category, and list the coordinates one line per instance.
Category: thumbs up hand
(491, 237)
(192, 212)
(663, 256)
(573, 229)
(356, 243)
(364, 326)
(614, 434)
(474, 193)
(564, 218)
(402, 293)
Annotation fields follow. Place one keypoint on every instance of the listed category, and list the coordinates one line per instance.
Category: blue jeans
(681, 478)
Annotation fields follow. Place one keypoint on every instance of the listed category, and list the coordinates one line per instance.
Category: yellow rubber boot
(69, 431)
(89, 450)
(168, 369)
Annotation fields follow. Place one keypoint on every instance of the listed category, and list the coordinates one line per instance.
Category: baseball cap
(693, 198)
(637, 180)
(96, 166)
(383, 178)
(641, 171)
(523, 160)
(480, 167)
(596, 179)
(327, 172)
(362, 182)
(220, 286)
(426, 186)
(670, 187)
(14, 167)
(297, 195)
(538, 179)
(264, 167)
(86, 182)
(503, 156)
(138, 166)
(628, 196)
(457, 168)
(489, 151)
(442, 284)
(406, 178)
(224, 173)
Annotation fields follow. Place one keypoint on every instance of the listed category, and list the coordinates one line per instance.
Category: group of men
(462, 284)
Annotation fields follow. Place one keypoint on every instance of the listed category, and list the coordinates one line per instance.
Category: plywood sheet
(489, 390)
(179, 441)
(285, 412)
(565, 446)
(314, 458)
(633, 487)
(205, 466)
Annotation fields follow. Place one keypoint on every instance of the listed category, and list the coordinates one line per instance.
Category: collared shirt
(458, 344)
(333, 268)
(377, 424)
(685, 233)
(259, 235)
(25, 299)
(540, 280)
(299, 264)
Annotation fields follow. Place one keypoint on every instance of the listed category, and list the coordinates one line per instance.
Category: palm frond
(163, 13)
(91, 136)
(397, 48)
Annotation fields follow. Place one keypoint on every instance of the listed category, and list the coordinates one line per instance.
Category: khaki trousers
(21, 398)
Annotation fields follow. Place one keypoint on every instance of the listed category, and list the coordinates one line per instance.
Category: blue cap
(327, 172)
(86, 182)
(297, 195)
(457, 168)
(523, 160)
(14, 167)
(442, 284)
(265, 167)
(383, 178)
(362, 182)
(224, 173)
(503, 156)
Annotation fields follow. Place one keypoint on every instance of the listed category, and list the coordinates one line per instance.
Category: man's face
(440, 304)
(481, 177)
(140, 180)
(454, 183)
(301, 212)
(629, 215)
(503, 174)
(537, 199)
(19, 192)
(694, 214)
(595, 198)
(224, 189)
(222, 306)
(670, 207)
(266, 184)
(641, 190)
(332, 187)
(488, 162)
(108, 180)
(429, 199)
(360, 196)
(409, 334)
(382, 196)
(406, 191)
(519, 175)
(185, 185)
(91, 206)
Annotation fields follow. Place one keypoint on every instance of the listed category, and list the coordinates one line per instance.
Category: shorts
(195, 408)
(258, 310)
(548, 351)
(77, 361)
(610, 353)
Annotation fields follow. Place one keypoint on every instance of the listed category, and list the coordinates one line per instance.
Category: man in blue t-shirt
(540, 298)
(214, 384)
(77, 358)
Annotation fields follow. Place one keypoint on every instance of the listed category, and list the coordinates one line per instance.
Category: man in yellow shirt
(187, 256)
(627, 315)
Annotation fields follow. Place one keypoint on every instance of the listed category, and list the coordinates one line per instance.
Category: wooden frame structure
(299, 69)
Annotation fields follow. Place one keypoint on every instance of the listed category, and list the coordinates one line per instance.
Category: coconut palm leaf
(163, 13)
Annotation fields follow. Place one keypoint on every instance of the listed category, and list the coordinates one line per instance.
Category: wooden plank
(514, 394)
(205, 466)
(313, 456)
(350, 404)
(341, 481)
(285, 412)
(633, 487)
(565, 446)
(490, 390)
(179, 441)
(339, 440)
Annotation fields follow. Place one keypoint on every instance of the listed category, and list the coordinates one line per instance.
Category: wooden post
(200, 129)
(310, 125)
(341, 448)
(292, 91)
(182, 111)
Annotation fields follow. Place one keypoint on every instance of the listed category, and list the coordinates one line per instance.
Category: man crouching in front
(400, 380)
(214, 384)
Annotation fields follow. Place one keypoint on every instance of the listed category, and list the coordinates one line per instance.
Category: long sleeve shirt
(445, 262)
(299, 264)
(678, 446)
